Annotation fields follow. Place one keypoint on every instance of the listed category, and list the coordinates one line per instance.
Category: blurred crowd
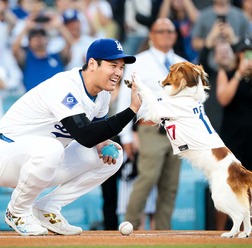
(55, 35)
(42, 38)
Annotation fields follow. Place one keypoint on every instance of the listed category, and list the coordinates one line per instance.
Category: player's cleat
(56, 223)
(25, 225)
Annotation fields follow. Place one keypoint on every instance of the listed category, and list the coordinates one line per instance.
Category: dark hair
(85, 66)
(36, 31)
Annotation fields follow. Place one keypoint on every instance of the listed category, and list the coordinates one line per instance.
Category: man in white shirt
(156, 164)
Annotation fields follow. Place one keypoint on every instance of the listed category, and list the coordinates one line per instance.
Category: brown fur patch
(239, 178)
(220, 153)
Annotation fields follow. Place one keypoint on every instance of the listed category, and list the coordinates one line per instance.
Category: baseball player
(53, 136)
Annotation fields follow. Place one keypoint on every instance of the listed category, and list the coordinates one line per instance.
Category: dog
(180, 111)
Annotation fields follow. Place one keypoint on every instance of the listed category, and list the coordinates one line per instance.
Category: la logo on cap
(119, 46)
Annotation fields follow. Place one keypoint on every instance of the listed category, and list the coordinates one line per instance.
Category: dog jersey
(41, 109)
(188, 127)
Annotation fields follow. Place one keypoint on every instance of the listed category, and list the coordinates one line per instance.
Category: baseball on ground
(125, 228)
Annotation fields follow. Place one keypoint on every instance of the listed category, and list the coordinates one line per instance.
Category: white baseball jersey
(188, 127)
(40, 110)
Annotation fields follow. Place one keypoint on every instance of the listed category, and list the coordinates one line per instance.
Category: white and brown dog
(180, 110)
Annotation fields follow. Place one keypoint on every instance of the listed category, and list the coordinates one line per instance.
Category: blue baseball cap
(108, 49)
(70, 15)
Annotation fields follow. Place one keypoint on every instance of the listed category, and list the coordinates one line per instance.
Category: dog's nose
(163, 83)
(160, 82)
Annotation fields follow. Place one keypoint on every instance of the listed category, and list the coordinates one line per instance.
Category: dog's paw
(243, 235)
(128, 83)
(227, 235)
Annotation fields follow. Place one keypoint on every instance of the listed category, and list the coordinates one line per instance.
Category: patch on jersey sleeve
(69, 101)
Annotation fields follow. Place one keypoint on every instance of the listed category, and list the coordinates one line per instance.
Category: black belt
(4, 138)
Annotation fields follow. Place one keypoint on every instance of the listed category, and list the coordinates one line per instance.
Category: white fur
(151, 109)
(224, 198)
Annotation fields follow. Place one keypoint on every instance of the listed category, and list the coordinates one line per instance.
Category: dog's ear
(204, 78)
(203, 75)
(191, 73)
(185, 74)
(180, 82)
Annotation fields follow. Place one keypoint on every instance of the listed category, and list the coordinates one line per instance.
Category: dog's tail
(151, 109)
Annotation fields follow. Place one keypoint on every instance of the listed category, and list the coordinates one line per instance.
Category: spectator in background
(231, 21)
(12, 79)
(2, 78)
(32, 9)
(36, 63)
(148, 20)
(78, 5)
(118, 9)
(9, 68)
(183, 14)
(234, 92)
(237, 3)
(7, 23)
(11, 86)
(221, 54)
(156, 163)
(21, 9)
(2, 87)
(221, 21)
(10, 74)
(246, 7)
(135, 33)
(100, 16)
(202, 4)
(62, 5)
(80, 42)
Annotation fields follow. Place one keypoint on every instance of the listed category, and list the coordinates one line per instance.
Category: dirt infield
(115, 238)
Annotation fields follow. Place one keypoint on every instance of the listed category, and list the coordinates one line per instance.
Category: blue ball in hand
(110, 150)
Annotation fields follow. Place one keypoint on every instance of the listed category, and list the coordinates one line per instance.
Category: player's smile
(114, 81)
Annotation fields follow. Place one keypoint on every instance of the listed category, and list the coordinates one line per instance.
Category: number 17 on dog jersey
(192, 130)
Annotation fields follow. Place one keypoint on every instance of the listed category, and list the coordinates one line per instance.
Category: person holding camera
(228, 19)
(234, 94)
(220, 21)
(36, 63)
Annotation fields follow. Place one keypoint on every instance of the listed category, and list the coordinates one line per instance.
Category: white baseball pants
(32, 164)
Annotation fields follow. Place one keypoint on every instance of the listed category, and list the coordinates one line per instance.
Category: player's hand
(136, 101)
(107, 159)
